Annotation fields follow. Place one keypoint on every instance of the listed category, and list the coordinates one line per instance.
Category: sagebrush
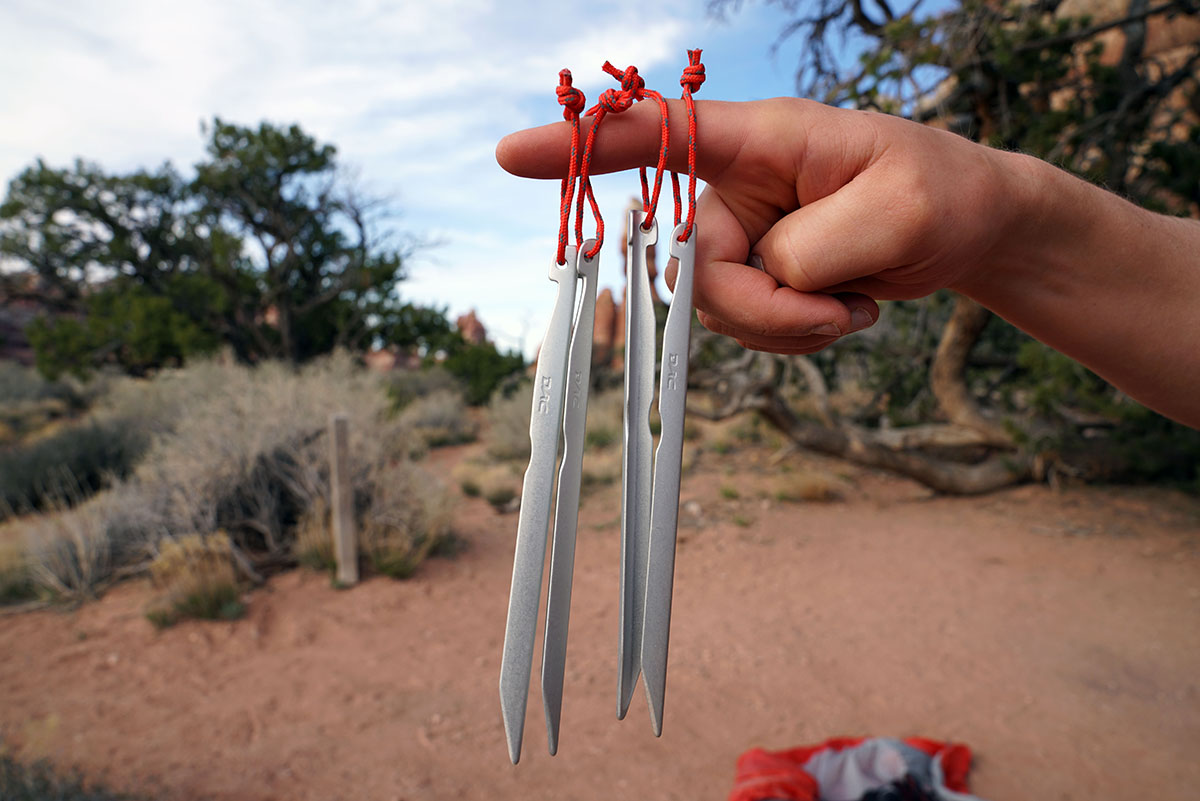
(244, 451)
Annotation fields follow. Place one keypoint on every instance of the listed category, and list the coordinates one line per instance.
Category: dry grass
(601, 466)
(249, 453)
(498, 484)
(440, 419)
(408, 519)
(810, 486)
(508, 446)
(195, 578)
(406, 386)
(16, 582)
(314, 538)
(508, 425)
(70, 553)
(245, 451)
(605, 420)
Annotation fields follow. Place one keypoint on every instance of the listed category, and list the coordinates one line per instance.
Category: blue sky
(415, 96)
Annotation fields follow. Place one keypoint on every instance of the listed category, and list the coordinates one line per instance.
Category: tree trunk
(947, 374)
(752, 383)
(287, 340)
(863, 446)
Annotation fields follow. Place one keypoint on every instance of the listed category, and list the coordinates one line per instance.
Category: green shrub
(482, 369)
(500, 497)
(406, 386)
(40, 781)
(19, 384)
(16, 583)
(124, 323)
(71, 463)
(749, 429)
(600, 438)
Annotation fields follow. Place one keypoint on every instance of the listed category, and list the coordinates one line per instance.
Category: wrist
(1039, 218)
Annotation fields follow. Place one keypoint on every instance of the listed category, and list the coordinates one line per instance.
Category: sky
(414, 95)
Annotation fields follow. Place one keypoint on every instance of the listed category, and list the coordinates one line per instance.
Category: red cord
(633, 87)
(650, 205)
(611, 101)
(691, 80)
(573, 103)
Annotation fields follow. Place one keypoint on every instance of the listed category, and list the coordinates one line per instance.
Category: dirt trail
(1055, 633)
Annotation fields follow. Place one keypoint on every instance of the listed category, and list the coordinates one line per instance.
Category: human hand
(843, 207)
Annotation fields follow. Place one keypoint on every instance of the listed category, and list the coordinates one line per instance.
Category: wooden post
(345, 539)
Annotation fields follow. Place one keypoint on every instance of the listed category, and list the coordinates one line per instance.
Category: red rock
(471, 329)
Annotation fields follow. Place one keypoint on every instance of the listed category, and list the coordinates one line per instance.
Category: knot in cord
(693, 73)
(570, 98)
(613, 102)
(631, 82)
(633, 87)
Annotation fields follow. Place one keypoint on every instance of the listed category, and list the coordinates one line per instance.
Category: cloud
(414, 94)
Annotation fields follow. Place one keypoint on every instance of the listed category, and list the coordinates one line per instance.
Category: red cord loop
(572, 101)
(611, 101)
(691, 80)
(633, 88)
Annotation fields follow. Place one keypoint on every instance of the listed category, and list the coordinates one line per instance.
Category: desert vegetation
(192, 338)
(41, 781)
(224, 479)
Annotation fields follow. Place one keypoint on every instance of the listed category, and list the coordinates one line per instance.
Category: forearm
(1107, 283)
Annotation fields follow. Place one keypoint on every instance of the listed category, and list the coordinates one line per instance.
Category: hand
(843, 207)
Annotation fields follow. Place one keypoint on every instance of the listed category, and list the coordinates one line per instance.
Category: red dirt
(1054, 632)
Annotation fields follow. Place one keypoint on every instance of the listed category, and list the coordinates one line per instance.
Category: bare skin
(846, 208)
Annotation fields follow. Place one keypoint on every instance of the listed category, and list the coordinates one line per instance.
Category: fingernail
(757, 263)
(827, 330)
(860, 318)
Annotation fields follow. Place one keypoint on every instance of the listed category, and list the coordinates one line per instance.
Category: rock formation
(471, 329)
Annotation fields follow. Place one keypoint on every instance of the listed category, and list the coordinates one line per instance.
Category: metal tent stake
(636, 457)
(536, 499)
(668, 462)
(566, 512)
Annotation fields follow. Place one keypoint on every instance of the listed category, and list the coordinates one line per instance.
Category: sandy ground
(1056, 633)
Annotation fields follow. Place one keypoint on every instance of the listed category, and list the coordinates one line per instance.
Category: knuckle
(915, 214)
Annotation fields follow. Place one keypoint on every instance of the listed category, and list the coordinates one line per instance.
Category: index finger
(632, 138)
